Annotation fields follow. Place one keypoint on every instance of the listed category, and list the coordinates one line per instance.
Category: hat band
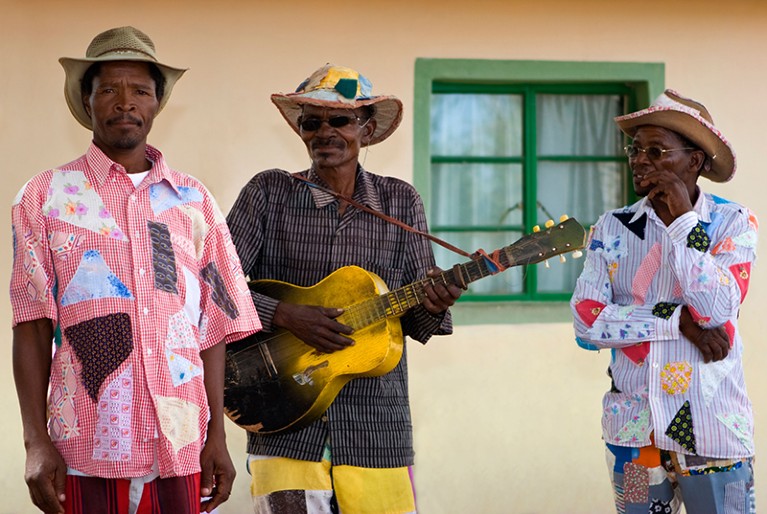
(126, 51)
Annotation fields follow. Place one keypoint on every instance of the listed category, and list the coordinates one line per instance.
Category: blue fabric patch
(720, 200)
(93, 280)
(586, 346)
(623, 454)
(596, 244)
(711, 226)
(163, 197)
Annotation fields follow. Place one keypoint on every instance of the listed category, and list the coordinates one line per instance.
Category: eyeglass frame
(661, 151)
(301, 120)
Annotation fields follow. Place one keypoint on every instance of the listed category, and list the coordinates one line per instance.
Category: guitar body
(275, 382)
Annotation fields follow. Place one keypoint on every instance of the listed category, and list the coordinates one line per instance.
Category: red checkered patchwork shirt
(137, 281)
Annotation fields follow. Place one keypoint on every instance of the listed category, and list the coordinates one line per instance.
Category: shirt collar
(364, 191)
(100, 167)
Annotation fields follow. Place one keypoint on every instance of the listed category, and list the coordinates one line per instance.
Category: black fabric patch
(637, 227)
(163, 258)
(664, 310)
(698, 238)
(220, 295)
(681, 429)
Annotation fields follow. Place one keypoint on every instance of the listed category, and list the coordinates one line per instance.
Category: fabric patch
(705, 275)
(726, 245)
(163, 258)
(753, 221)
(625, 331)
(37, 280)
(181, 369)
(192, 297)
(220, 295)
(719, 200)
(596, 244)
(200, 228)
(636, 429)
(637, 227)
(664, 310)
(72, 199)
(742, 274)
(179, 421)
(711, 226)
(20, 194)
(711, 375)
(62, 418)
(660, 507)
(162, 196)
(629, 402)
(735, 497)
(62, 244)
(675, 377)
(588, 311)
(112, 439)
(646, 273)
(180, 334)
(614, 248)
(730, 329)
(184, 244)
(586, 345)
(637, 353)
(636, 483)
(94, 280)
(698, 238)
(681, 429)
(740, 426)
(101, 345)
(746, 239)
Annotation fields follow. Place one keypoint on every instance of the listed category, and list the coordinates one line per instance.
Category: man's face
(676, 161)
(122, 105)
(332, 147)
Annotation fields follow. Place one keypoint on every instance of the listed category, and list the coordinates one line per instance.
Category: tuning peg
(546, 263)
(549, 223)
(536, 228)
(562, 258)
(563, 217)
(577, 254)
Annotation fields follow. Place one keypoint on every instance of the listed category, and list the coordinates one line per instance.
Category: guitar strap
(493, 261)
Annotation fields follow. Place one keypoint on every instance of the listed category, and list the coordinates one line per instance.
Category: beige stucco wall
(506, 416)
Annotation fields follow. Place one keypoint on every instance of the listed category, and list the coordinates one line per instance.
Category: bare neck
(133, 160)
(340, 179)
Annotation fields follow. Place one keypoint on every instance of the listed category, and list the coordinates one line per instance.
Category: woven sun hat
(118, 44)
(690, 119)
(342, 88)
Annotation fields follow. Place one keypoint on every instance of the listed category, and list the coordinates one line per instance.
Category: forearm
(32, 345)
(213, 360)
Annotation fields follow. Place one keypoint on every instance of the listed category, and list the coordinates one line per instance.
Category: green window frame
(638, 83)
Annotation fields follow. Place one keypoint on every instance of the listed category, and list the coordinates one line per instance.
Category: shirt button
(146, 311)
(149, 351)
(141, 272)
(654, 364)
(324, 418)
(132, 198)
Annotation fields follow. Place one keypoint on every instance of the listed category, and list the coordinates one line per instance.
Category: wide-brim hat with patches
(342, 88)
(118, 44)
(693, 121)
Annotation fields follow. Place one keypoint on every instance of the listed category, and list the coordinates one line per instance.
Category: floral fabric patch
(182, 370)
(72, 199)
(93, 280)
(637, 353)
(726, 245)
(589, 310)
(681, 429)
(698, 238)
(711, 375)
(101, 345)
(163, 197)
(742, 274)
(675, 377)
(113, 439)
(180, 333)
(636, 429)
(163, 258)
(636, 483)
(664, 310)
(740, 426)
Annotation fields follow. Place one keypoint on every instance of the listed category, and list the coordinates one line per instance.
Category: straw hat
(118, 44)
(690, 119)
(342, 88)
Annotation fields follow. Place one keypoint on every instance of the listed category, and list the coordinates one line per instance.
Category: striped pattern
(175, 495)
(139, 345)
(616, 271)
(286, 231)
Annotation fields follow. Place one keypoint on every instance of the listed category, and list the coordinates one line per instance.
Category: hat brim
(697, 130)
(388, 110)
(74, 70)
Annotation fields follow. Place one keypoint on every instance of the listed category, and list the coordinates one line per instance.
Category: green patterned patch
(698, 238)
(681, 429)
(664, 309)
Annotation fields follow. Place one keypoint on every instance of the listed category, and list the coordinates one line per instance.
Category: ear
(368, 130)
(87, 105)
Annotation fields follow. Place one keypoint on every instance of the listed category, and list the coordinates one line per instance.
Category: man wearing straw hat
(129, 267)
(357, 456)
(662, 287)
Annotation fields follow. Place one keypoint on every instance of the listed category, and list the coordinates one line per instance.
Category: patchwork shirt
(637, 274)
(137, 282)
(285, 230)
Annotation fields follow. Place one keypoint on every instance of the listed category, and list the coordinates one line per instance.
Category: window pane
(510, 281)
(582, 190)
(559, 277)
(578, 125)
(476, 125)
(477, 194)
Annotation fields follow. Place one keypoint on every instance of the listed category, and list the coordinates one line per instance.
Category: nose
(325, 127)
(124, 101)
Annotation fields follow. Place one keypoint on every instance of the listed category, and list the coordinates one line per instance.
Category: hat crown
(689, 103)
(121, 40)
(344, 82)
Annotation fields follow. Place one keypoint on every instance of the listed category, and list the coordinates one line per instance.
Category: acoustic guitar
(277, 383)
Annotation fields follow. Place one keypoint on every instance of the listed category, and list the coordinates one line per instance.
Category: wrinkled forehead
(322, 112)
(656, 134)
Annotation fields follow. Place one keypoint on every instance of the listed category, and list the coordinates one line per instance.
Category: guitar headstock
(554, 239)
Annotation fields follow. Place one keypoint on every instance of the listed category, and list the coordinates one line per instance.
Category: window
(502, 146)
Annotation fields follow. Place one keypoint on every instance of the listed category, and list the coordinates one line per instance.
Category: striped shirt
(137, 282)
(636, 275)
(287, 231)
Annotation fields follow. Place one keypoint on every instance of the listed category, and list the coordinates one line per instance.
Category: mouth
(124, 120)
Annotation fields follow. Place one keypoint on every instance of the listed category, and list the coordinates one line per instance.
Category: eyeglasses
(313, 124)
(652, 152)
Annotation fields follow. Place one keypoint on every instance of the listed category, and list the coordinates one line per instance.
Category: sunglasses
(313, 124)
(652, 152)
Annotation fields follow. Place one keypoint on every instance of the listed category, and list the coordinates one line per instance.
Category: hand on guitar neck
(317, 327)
